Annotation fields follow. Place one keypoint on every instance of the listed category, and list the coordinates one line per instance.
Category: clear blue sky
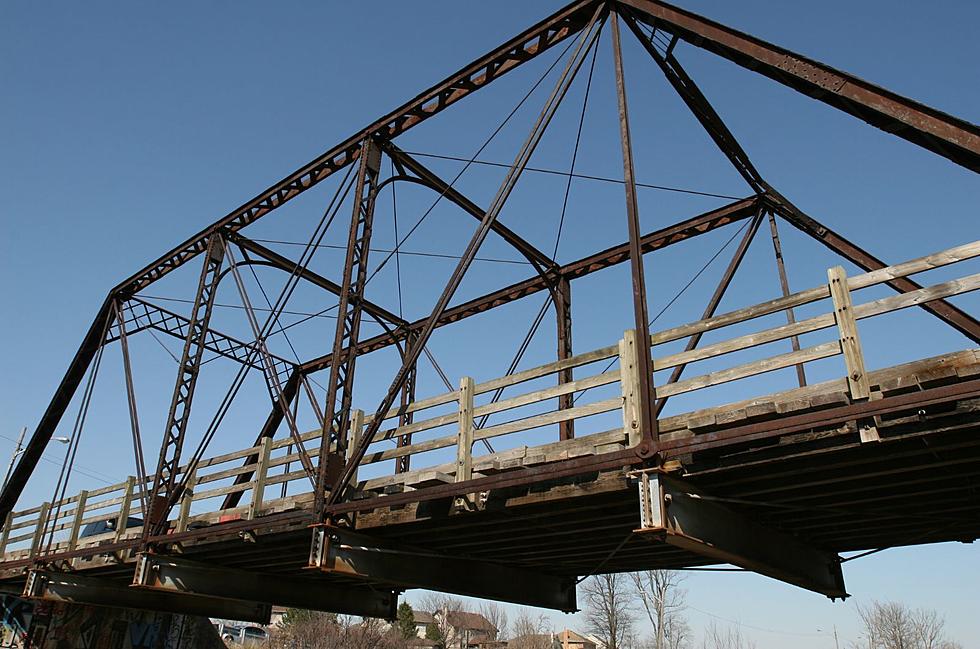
(125, 128)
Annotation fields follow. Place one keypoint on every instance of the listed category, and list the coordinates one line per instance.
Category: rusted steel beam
(646, 427)
(365, 558)
(177, 576)
(777, 248)
(431, 179)
(943, 134)
(520, 49)
(52, 586)
(696, 523)
(563, 319)
(676, 233)
(290, 266)
(340, 386)
(954, 316)
(56, 407)
(588, 38)
(711, 121)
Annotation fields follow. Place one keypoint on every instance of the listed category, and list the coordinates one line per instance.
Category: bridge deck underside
(821, 484)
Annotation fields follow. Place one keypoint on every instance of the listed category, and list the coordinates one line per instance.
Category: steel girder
(945, 135)
(180, 577)
(51, 586)
(364, 557)
(683, 516)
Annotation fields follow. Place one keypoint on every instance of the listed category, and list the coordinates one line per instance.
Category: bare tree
(497, 616)
(323, 631)
(730, 637)
(663, 602)
(531, 632)
(891, 625)
(609, 609)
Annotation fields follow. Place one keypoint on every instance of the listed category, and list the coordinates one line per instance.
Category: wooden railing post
(42, 521)
(6, 532)
(464, 442)
(629, 381)
(354, 430)
(186, 500)
(850, 342)
(76, 524)
(123, 519)
(258, 484)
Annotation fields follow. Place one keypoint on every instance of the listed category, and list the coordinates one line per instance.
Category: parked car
(108, 525)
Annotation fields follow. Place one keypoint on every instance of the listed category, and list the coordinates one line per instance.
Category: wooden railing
(446, 426)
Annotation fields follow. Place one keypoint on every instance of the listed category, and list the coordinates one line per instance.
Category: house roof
(472, 621)
(571, 636)
(423, 617)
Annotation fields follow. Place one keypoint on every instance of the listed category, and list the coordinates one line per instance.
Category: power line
(415, 253)
(556, 172)
(87, 472)
(320, 314)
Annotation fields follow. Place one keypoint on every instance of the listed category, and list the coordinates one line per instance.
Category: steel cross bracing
(955, 139)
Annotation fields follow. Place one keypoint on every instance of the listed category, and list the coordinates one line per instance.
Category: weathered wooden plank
(629, 381)
(546, 419)
(816, 352)
(545, 370)
(857, 378)
(354, 431)
(123, 516)
(606, 378)
(258, 483)
(464, 441)
(37, 537)
(76, 525)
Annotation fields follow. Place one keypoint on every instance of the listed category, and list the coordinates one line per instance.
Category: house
(461, 630)
(468, 630)
(568, 639)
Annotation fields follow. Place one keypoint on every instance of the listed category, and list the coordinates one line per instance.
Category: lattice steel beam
(163, 495)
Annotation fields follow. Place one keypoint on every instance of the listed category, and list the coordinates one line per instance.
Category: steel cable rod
(66, 468)
(131, 403)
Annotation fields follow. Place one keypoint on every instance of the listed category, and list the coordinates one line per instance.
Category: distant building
(568, 639)
(461, 630)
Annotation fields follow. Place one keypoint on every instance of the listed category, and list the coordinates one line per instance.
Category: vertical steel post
(784, 285)
(336, 412)
(563, 316)
(163, 496)
(588, 37)
(647, 422)
(404, 463)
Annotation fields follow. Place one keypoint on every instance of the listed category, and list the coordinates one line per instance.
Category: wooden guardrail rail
(61, 525)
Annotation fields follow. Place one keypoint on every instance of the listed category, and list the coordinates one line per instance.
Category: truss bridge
(791, 451)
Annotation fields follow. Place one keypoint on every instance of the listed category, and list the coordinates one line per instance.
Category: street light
(20, 449)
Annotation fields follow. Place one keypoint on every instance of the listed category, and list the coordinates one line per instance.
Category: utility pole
(13, 458)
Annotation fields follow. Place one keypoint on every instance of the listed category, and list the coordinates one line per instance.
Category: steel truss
(955, 139)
